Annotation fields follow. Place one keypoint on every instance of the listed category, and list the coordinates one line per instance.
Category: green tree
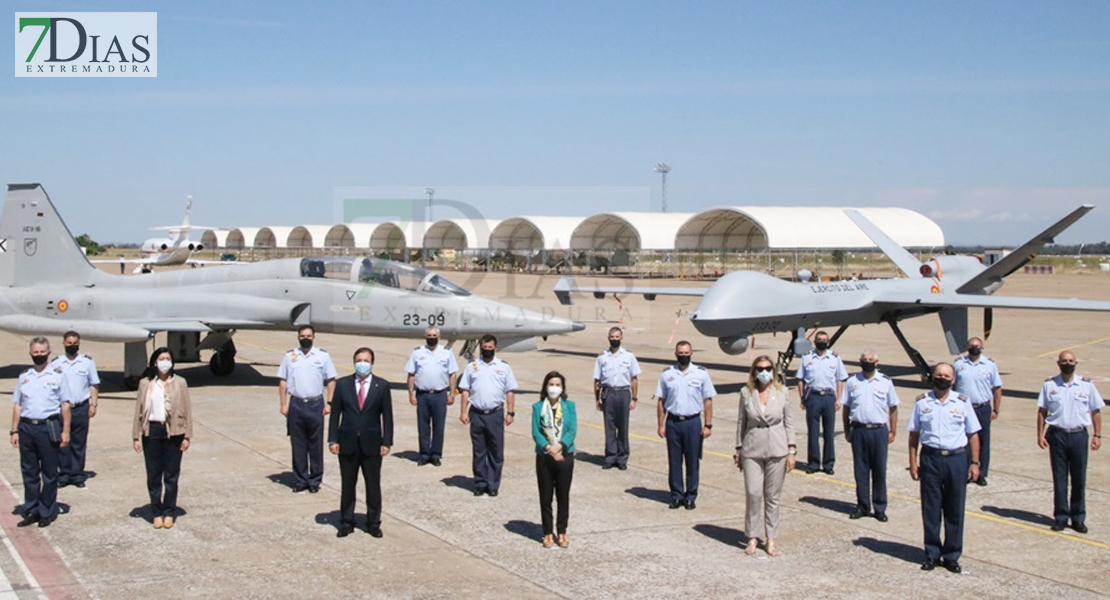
(91, 247)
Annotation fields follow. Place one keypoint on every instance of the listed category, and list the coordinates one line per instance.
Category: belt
(431, 391)
(869, 425)
(932, 450)
(306, 400)
(982, 404)
(484, 412)
(1068, 429)
(761, 426)
(822, 393)
(616, 387)
(39, 421)
(81, 403)
(683, 417)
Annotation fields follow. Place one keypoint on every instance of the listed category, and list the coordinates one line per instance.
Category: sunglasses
(767, 369)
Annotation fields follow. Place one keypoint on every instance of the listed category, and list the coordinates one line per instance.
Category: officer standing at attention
(616, 385)
(977, 378)
(1069, 405)
(487, 391)
(684, 392)
(81, 391)
(870, 422)
(945, 425)
(432, 370)
(306, 373)
(40, 426)
(821, 379)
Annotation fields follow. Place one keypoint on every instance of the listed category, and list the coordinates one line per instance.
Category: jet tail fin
(36, 247)
(901, 258)
(1018, 258)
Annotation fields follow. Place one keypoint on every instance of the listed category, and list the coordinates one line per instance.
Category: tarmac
(243, 534)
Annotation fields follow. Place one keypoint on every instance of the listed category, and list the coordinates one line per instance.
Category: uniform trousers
(554, 477)
(431, 415)
(763, 479)
(983, 413)
(305, 425)
(684, 443)
(869, 456)
(487, 436)
(162, 454)
(943, 493)
(371, 467)
(1068, 454)
(38, 460)
(821, 414)
(72, 457)
(616, 403)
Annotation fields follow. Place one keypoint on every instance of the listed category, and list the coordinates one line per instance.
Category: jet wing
(896, 300)
(566, 286)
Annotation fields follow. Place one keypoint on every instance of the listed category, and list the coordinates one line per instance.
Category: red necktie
(361, 393)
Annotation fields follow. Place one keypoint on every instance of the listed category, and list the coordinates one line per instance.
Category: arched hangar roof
(460, 234)
(242, 237)
(214, 238)
(630, 231)
(308, 236)
(275, 236)
(739, 228)
(395, 235)
(533, 233)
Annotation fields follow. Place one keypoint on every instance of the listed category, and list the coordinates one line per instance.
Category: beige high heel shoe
(771, 549)
(167, 523)
(548, 541)
(753, 544)
(158, 523)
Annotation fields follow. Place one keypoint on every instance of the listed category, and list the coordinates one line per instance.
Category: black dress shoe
(79, 485)
(314, 489)
(881, 517)
(345, 531)
(607, 466)
(422, 462)
(1058, 526)
(1079, 527)
(675, 504)
(492, 493)
(45, 522)
(375, 532)
(952, 565)
(981, 482)
(928, 565)
(436, 463)
(622, 467)
(691, 505)
(30, 519)
(297, 489)
(479, 492)
(829, 471)
(811, 470)
(859, 513)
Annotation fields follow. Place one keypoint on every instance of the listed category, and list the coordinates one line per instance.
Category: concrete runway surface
(245, 535)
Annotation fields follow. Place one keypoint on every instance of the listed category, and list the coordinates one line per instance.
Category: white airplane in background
(176, 249)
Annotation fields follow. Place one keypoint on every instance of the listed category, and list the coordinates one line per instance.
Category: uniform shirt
(432, 368)
(305, 374)
(1069, 404)
(977, 380)
(946, 425)
(39, 395)
(488, 383)
(869, 400)
(616, 370)
(78, 376)
(683, 393)
(820, 373)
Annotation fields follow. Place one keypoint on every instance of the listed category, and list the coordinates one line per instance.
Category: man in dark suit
(361, 433)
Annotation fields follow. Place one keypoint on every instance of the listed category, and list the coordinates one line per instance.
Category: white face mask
(164, 366)
(554, 391)
(764, 376)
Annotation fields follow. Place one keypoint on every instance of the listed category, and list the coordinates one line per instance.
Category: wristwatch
(511, 413)
(975, 462)
(709, 426)
(793, 451)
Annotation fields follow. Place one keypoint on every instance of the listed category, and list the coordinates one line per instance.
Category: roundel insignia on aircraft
(935, 289)
(63, 306)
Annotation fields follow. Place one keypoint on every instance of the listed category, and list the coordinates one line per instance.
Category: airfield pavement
(245, 535)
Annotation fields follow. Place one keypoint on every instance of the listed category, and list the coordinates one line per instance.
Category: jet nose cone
(578, 326)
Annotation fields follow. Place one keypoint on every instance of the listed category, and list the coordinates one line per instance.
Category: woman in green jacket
(554, 424)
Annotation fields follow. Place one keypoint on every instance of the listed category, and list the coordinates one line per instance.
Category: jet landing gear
(222, 362)
(798, 345)
(915, 356)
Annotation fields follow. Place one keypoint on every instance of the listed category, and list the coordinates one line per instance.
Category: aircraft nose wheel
(223, 360)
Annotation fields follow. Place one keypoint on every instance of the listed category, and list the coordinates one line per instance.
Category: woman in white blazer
(764, 450)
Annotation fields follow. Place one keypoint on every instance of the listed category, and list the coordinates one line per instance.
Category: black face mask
(614, 344)
(40, 359)
(487, 355)
(822, 346)
(942, 385)
(1067, 369)
(431, 342)
(306, 344)
(683, 360)
(72, 350)
(974, 350)
(868, 366)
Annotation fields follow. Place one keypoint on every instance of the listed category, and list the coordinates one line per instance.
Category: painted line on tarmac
(1091, 343)
(970, 513)
(43, 567)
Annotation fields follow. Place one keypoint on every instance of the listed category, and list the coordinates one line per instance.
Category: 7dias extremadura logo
(99, 44)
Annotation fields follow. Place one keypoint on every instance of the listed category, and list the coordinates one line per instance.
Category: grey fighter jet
(47, 286)
(744, 303)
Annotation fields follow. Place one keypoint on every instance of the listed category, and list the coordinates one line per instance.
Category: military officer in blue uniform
(870, 422)
(977, 378)
(616, 388)
(40, 426)
(945, 426)
(685, 392)
(821, 378)
(82, 386)
(1069, 405)
(488, 403)
(432, 371)
(307, 382)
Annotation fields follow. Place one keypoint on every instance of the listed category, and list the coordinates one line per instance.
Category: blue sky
(990, 117)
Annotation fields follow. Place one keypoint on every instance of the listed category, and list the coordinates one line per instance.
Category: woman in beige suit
(161, 430)
(764, 450)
